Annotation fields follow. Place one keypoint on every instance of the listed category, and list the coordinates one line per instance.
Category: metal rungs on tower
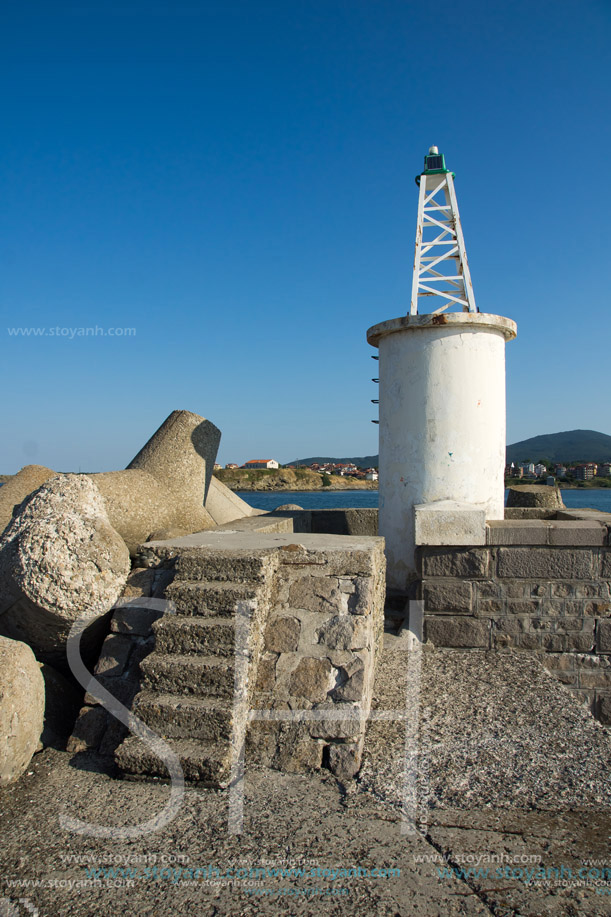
(440, 263)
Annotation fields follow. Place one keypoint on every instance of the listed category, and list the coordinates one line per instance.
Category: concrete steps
(245, 568)
(198, 675)
(179, 635)
(205, 763)
(180, 716)
(206, 598)
(187, 691)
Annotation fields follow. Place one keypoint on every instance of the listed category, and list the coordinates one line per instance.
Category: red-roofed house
(260, 463)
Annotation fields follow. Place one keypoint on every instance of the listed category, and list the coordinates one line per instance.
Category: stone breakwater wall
(541, 586)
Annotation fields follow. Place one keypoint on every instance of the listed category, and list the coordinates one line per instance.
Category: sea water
(593, 498)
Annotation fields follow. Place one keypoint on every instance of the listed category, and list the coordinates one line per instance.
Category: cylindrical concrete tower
(442, 389)
(442, 421)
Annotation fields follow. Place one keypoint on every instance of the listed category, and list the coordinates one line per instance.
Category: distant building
(260, 463)
(231, 465)
(560, 471)
(540, 469)
(371, 476)
(605, 469)
(218, 467)
(585, 472)
(528, 468)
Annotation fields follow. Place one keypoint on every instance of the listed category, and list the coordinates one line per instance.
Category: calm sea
(318, 499)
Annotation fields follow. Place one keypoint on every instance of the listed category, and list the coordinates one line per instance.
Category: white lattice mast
(441, 269)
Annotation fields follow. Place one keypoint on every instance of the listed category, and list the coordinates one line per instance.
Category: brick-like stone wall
(540, 586)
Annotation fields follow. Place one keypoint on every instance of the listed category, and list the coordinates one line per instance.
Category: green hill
(361, 461)
(570, 446)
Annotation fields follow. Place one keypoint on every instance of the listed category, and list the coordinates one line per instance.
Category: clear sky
(235, 181)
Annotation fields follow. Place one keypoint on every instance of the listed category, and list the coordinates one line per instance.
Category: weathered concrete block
(574, 626)
(518, 531)
(488, 589)
(595, 679)
(449, 522)
(545, 563)
(578, 643)
(453, 596)
(603, 636)
(350, 521)
(595, 590)
(487, 607)
(458, 562)
(577, 533)
(566, 678)
(457, 632)
(605, 570)
(597, 609)
(507, 625)
(565, 662)
(522, 608)
(516, 590)
(534, 641)
(282, 634)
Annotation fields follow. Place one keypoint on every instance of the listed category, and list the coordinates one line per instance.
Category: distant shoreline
(298, 480)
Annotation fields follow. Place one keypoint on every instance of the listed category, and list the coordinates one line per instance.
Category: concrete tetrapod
(165, 485)
(17, 488)
(60, 557)
(22, 708)
(164, 489)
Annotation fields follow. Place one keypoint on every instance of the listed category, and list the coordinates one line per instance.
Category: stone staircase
(191, 694)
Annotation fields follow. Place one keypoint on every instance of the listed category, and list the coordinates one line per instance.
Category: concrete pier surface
(505, 774)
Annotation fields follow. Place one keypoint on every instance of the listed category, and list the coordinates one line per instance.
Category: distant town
(337, 468)
(582, 471)
(543, 472)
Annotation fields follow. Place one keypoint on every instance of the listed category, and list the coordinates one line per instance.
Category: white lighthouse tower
(442, 394)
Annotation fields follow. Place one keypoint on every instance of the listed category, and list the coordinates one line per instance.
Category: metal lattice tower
(441, 269)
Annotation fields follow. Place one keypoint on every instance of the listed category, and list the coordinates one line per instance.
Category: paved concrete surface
(488, 838)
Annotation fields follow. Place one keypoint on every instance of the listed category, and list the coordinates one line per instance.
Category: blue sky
(235, 181)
